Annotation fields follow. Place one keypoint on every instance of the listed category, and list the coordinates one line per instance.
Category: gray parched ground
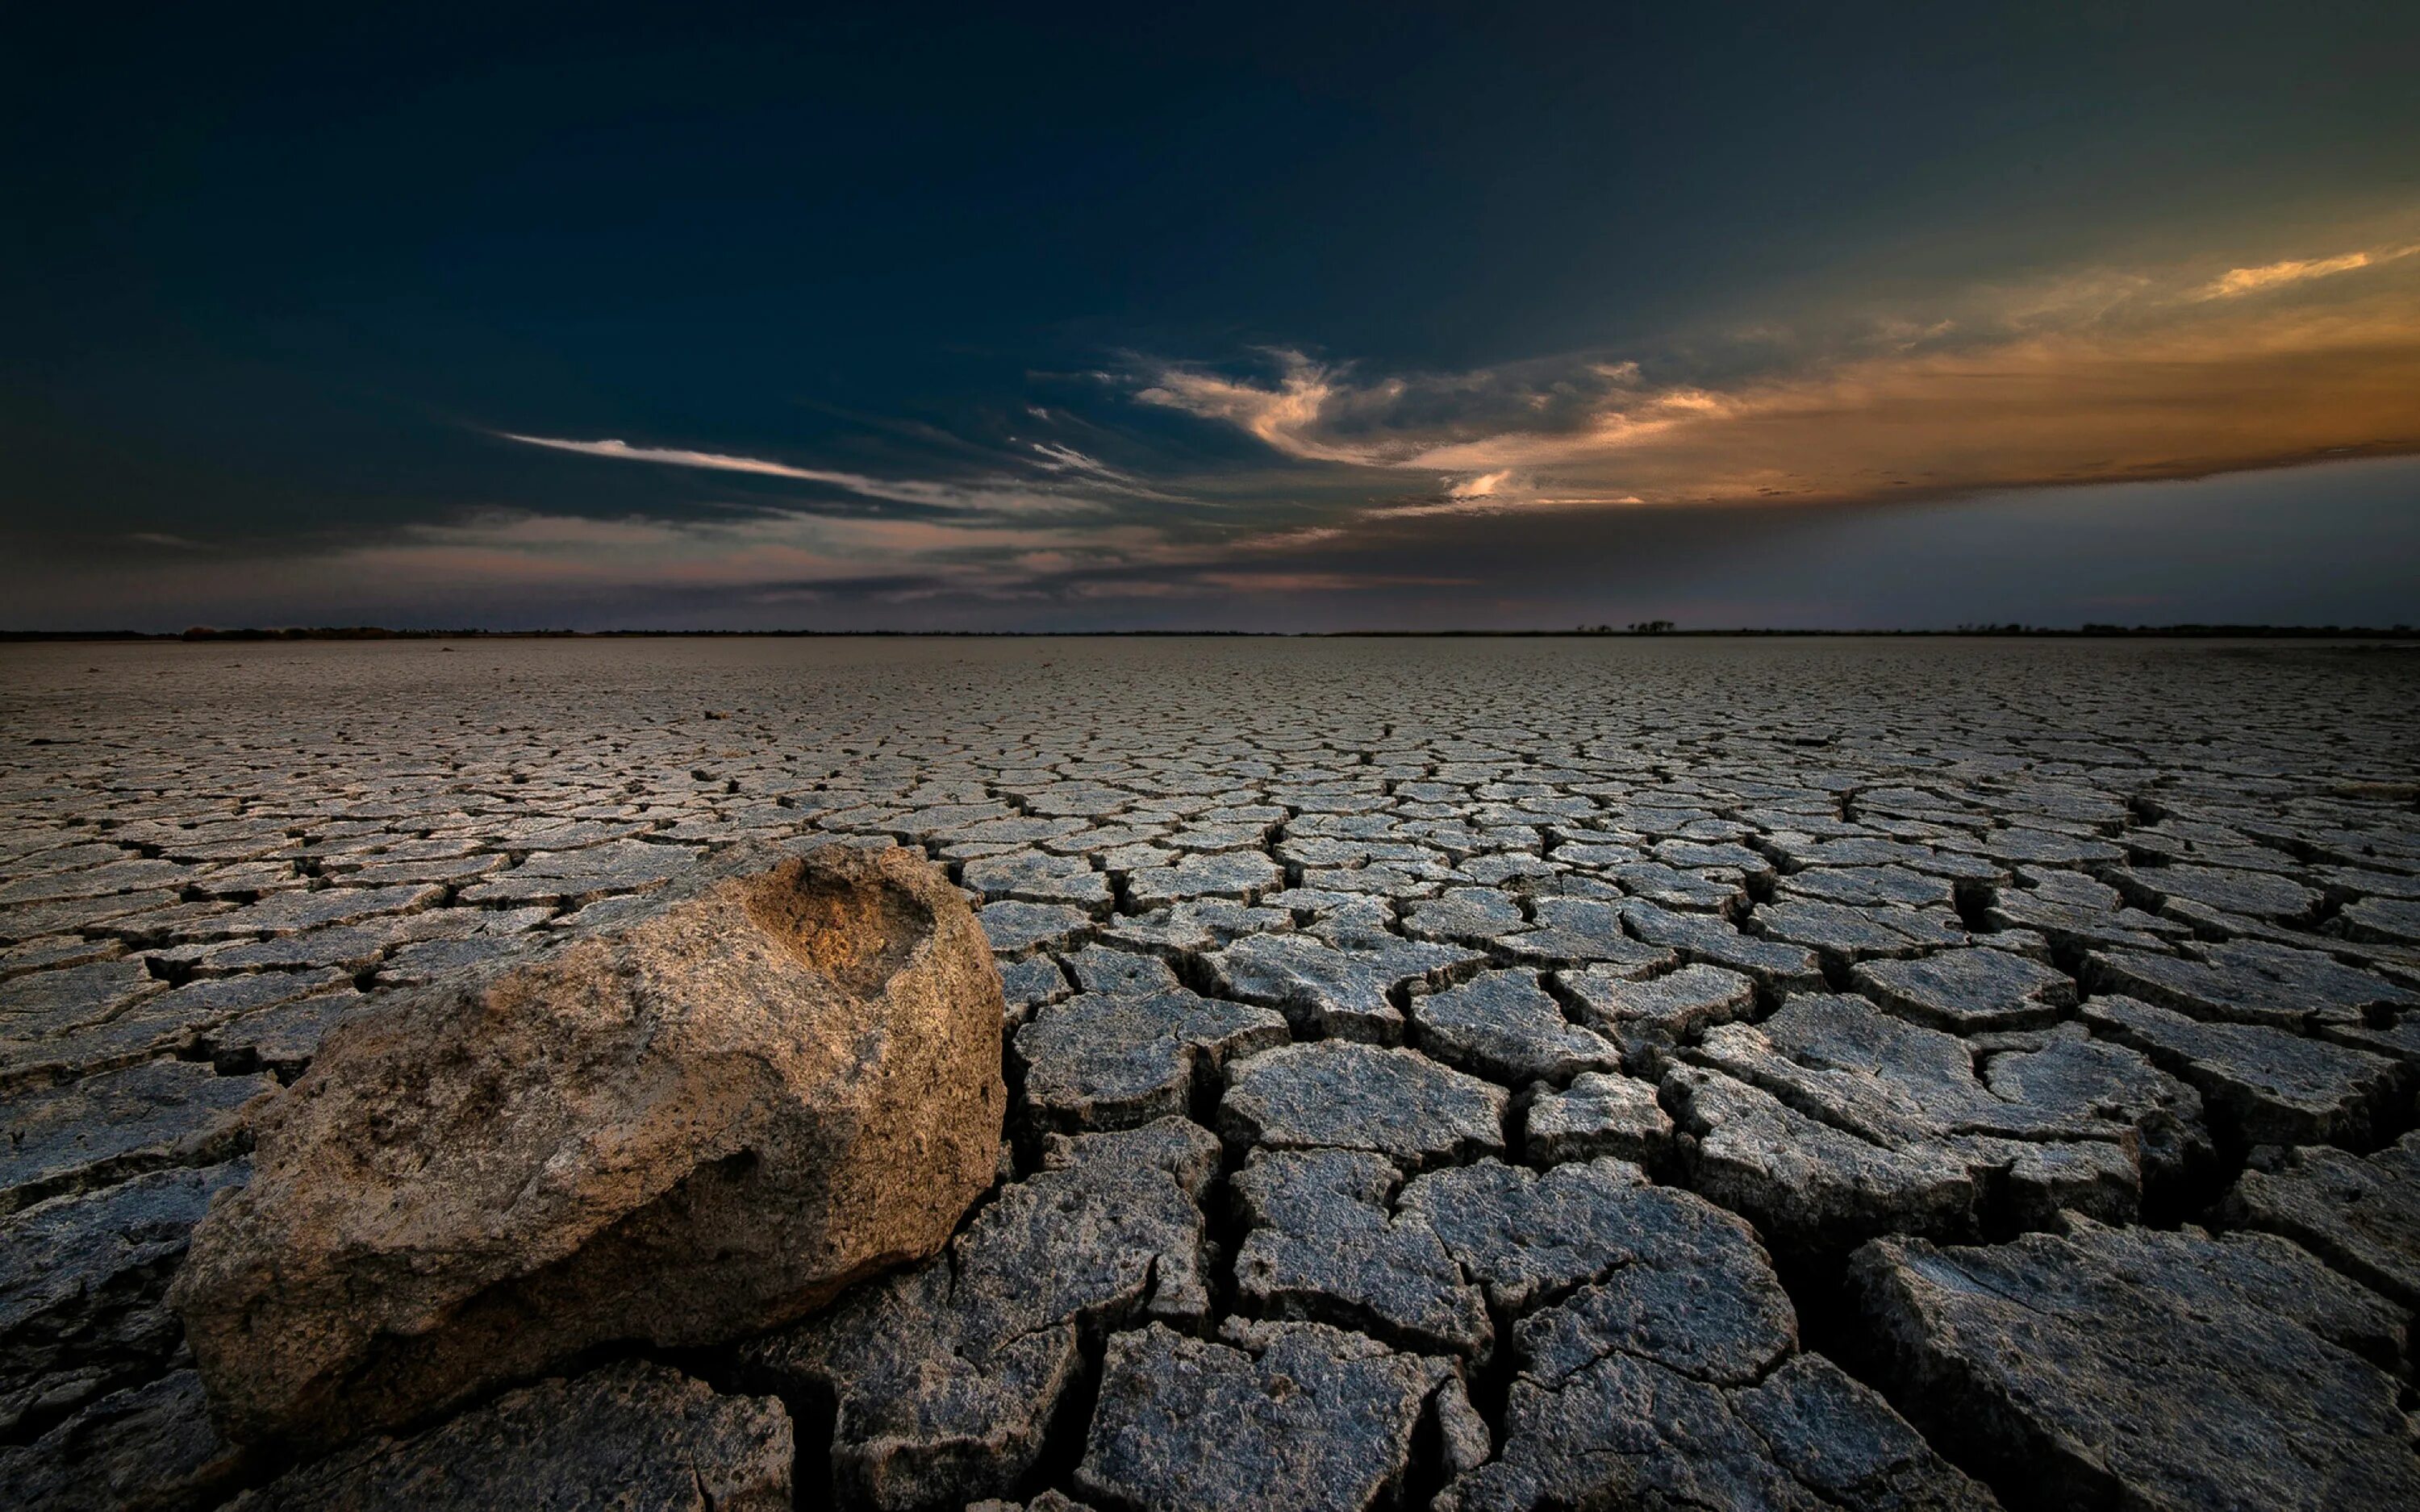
(1469, 1074)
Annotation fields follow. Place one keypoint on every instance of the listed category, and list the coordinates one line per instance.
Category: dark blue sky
(1374, 315)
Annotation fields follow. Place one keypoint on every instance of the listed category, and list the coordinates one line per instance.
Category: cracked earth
(1469, 1073)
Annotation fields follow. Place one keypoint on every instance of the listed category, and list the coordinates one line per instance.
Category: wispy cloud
(985, 496)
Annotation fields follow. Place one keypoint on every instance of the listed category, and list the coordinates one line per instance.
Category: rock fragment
(1302, 1418)
(1099, 1061)
(1968, 991)
(2116, 1367)
(1326, 1246)
(686, 1129)
(2358, 1213)
(1503, 1024)
(945, 1376)
(108, 1127)
(2267, 1086)
(1338, 1094)
(1646, 1018)
(1599, 1114)
(631, 1435)
(82, 1287)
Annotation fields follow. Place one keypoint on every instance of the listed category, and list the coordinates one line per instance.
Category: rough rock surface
(2143, 1368)
(2362, 1216)
(83, 1281)
(946, 1377)
(630, 1436)
(1103, 1061)
(1834, 1121)
(1317, 840)
(1302, 1417)
(698, 1126)
(1327, 1244)
(1342, 1095)
(2266, 1086)
(1599, 1114)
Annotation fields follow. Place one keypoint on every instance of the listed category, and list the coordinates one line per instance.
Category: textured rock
(945, 1376)
(1599, 1114)
(1323, 991)
(1967, 991)
(693, 1127)
(1503, 1025)
(1112, 1062)
(1856, 1118)
(1340, 1095)
(83, 1279)
(1839, 1439)
(2248, 982)
(1302, 1417)
(1326, 1246)
(2137, 1368)
(1704, 940)
(2267, 1086)
(1647, 1018)
(1810, 1186)
(1671, 1381)
(108, 1127)
(633, 1437)
(150, 1448)
(2361, 1214)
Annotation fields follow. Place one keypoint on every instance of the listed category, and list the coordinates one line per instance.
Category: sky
(1292, 318)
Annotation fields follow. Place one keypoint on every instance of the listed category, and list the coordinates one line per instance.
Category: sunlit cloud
(2094, 375)
(2237, 280)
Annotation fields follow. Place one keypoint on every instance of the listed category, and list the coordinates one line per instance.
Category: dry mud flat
(1469, 1074)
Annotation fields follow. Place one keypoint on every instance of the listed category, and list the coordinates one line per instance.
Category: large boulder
(677, 1131)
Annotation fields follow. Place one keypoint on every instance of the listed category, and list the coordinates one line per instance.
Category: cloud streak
(997, 497)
